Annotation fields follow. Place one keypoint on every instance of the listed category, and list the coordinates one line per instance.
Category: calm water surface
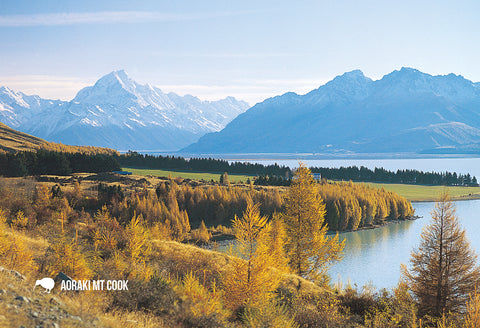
(374, 256)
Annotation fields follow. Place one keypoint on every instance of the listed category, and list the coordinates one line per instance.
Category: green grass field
(428, 193)
(187, 175)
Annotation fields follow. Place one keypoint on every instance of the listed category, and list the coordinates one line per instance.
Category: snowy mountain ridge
(120, 113)
(405, 111)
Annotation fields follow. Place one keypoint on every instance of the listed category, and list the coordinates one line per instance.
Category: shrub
(20, 221)
(320, 311)
(269, 314)
(155, 296)
(15, 255)
(66, 256)
(200, 306)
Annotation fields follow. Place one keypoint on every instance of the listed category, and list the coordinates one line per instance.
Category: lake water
(374, 256)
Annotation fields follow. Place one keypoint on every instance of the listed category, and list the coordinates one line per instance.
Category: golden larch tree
(252, 280)
(309, 249)
(444, 268)
(138, 246)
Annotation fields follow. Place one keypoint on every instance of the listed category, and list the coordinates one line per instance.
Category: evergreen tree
(444, 267)
(309, 249)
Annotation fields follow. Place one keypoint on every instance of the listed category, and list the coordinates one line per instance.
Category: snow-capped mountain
(405, 111)
(118, 112)
(17, 107)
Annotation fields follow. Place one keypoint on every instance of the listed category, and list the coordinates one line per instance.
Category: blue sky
(248, 49)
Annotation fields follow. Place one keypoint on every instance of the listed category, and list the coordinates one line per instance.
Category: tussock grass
(209, 265)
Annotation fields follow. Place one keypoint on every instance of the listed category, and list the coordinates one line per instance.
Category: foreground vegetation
(136, 230)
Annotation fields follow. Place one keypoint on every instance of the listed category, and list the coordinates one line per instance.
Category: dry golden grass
(210, 265)
(12, 140)
(88, 306)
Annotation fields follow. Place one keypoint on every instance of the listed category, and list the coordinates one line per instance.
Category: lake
(374, 256)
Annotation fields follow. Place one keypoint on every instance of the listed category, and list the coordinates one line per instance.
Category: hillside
(406, 111)
(13, 140)
(119, 113)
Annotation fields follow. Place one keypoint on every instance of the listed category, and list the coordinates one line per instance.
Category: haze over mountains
(117, 112)
(405, 111)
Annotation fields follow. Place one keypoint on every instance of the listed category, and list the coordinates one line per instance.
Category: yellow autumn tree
(107, 232)
(472, 315)
(20, 221)
(309, 249)
(13, 251)
(444, 268)
(200, 303)
(276, 240)
(138, 248)
(67, 256)
(202, 234)
(252, 280)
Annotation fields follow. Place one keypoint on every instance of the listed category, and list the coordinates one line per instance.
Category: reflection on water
(374, 256)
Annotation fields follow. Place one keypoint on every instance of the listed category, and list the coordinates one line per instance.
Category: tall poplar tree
(309, 249)
(444, 268)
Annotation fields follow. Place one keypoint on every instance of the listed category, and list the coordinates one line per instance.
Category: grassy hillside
(13, 140)
(22, 305)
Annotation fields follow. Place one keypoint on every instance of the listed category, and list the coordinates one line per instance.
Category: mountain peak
(407, 73)
(113, 87)
(355, 77)
(409, 70)
(354, 73)
(115, 77)
(350, 84)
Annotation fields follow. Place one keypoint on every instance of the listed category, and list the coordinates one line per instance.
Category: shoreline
(455, 199)
(230, 237)
(375, 226)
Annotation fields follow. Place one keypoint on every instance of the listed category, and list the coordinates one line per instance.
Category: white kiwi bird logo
(47, 283)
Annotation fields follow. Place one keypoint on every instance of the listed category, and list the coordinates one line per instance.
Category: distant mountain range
(117, 112)
(405, 111)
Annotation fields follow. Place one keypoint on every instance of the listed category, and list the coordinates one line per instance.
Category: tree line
(276, 175)
(348, 206)
(134, 159)
(17, 164)
(364, 174)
